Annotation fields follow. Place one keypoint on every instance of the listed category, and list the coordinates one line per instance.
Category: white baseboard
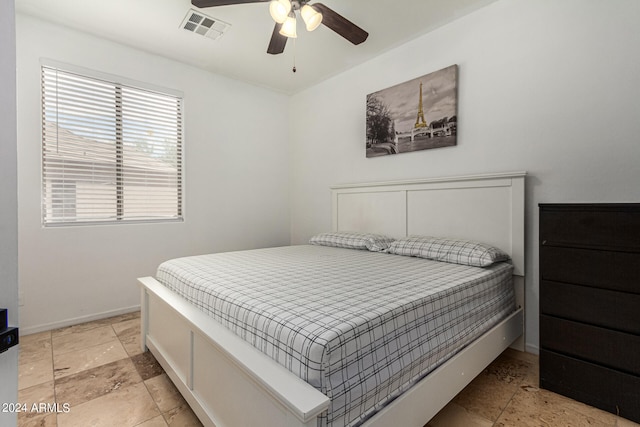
(77, 320)
(534, 349)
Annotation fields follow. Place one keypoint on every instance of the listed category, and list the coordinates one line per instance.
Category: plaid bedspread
(361, 327)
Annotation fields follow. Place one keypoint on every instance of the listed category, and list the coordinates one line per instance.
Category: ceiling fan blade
(341, 25)
(210, 3)
(277, 42)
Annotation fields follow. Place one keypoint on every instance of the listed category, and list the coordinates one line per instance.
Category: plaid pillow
(352, 240)
(455, 251)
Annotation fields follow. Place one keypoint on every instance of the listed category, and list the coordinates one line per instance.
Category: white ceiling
(154, 26)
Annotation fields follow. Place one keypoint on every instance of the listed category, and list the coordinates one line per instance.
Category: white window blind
(110, 152)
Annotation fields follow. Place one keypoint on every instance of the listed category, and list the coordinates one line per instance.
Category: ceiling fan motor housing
(297, 4)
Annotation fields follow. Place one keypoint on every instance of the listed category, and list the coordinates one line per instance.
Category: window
(111, 152)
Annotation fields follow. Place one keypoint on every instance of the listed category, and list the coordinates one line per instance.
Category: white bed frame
(229, 383)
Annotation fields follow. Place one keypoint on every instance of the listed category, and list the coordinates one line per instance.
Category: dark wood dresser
(590, 304)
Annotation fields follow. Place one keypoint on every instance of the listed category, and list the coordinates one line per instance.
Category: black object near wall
(8, 335)
(590, 304)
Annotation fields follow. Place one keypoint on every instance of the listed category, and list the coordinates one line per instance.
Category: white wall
(237, 181)
(9, 204)
(545, 86)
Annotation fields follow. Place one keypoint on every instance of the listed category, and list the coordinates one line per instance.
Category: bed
(232, 374)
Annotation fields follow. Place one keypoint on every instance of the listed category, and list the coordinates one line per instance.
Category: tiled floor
(98, 376)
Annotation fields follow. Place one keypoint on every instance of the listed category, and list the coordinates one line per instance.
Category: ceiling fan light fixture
(312, 18)
(279, 10)
(288, 28)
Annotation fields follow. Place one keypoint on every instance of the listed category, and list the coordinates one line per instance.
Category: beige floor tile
(37, 348)
(36, 395)
(34, 351)
(154, 422)
(34, 373)
(164, 393)
(95, 324)
(127, 327)
(25, 339)
(533, 407)
(182, 416)
(485, 400)
(454, 415)
(89, 358)
(147, 365)
(129, 406)
(132, 344)
(41, 393)
(588, 411)
(93, 383)
(490, 392)
(508, 369)
(129, 334)
(621, 422)
(39, 420)
(533, 377)
(77, 341)
(82, 327)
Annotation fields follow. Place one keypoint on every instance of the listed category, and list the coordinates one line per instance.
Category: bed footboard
(224, 379)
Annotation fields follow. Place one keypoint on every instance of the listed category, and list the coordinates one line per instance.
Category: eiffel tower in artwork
(420, 122)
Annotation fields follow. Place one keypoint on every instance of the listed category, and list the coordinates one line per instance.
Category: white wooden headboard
(486, 208)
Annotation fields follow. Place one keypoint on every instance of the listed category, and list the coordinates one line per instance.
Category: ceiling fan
(283, 12)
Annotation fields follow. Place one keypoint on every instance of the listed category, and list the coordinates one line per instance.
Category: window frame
(118, 82)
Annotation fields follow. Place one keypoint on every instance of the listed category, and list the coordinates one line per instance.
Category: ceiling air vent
(204, 25)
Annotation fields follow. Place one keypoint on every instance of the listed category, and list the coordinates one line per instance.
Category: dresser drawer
(595, 385)
(614, 349)
(618, 271)
(600, 226)
(600, 307)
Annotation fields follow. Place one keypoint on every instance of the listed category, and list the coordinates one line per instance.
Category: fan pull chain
(294, 56)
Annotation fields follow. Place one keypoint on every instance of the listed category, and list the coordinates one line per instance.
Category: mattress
(360, 326)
